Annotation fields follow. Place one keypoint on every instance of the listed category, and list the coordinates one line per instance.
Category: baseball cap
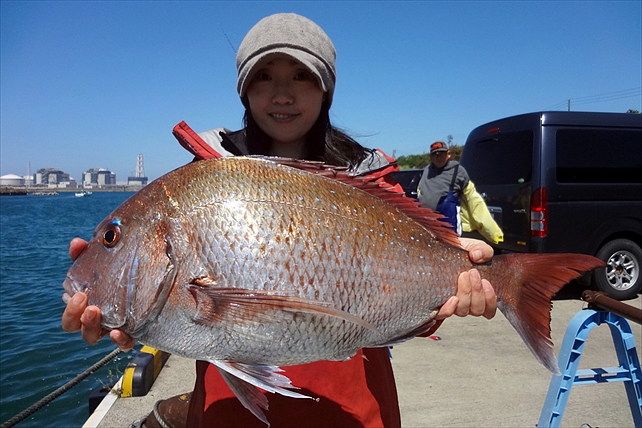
(438, 146)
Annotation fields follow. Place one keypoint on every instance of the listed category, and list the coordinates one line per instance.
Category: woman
(286, 77)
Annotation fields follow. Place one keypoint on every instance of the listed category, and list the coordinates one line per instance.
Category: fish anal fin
(427, 327)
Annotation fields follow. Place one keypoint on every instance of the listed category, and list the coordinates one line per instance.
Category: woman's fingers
(91, 329)
(74, 310)
(448, 309)
(491, 299)
(76, 246)
(478, 251)
(475, 296)
(124, 341)
(464, 293)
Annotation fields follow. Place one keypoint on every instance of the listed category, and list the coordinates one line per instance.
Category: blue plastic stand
(569, 358)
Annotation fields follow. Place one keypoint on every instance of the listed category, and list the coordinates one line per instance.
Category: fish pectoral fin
(244, 379)
(215, 304)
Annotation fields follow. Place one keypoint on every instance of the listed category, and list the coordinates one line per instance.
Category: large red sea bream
(256, 263)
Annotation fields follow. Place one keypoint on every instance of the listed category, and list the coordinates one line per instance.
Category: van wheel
(621, 277)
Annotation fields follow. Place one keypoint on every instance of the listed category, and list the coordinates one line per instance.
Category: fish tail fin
(525, 285)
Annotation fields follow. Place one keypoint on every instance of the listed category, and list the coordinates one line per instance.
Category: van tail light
(539, 222)
(494, 130)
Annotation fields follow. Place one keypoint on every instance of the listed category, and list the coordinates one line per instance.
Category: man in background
(442, 184)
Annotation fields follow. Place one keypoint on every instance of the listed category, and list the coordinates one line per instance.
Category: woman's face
(285, 101)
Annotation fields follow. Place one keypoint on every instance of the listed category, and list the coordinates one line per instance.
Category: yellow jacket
(475, 215)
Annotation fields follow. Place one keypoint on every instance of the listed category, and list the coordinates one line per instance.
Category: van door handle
(522, 211)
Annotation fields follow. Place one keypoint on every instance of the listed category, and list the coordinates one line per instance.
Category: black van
(566, 182)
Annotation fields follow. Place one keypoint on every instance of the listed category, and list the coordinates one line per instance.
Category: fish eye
(111, 236)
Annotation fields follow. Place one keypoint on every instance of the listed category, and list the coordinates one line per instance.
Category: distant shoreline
(22, 191)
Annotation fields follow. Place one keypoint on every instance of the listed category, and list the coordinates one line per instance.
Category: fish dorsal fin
(371, 183)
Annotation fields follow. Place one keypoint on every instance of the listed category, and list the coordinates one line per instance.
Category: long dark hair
(323, 142)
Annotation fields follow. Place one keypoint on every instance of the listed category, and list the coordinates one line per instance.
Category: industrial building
(93, 178)
(50, 176)
(98, 177)
(139, 179)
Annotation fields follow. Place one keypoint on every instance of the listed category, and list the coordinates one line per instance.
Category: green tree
(456, 152)
(413, 161)
(420, 161)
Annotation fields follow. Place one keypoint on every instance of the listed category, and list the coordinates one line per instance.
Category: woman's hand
(475, 296)
(87, 319)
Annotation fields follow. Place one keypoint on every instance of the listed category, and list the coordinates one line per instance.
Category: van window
(502, 159)
(599, 156)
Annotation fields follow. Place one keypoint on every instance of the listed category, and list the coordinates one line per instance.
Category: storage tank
(12, 180)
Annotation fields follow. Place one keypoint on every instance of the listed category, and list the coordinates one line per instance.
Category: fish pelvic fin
(244, 379)
(217, 304)
(525, 285)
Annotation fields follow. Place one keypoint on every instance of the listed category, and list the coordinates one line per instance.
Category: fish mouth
(111, 315)
(72, 287)
(66, 297)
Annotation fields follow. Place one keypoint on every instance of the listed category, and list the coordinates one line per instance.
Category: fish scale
(253, 261)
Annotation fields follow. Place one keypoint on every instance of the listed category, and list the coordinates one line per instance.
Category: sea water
(36, 355)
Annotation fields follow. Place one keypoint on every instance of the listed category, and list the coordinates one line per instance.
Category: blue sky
(92, 84)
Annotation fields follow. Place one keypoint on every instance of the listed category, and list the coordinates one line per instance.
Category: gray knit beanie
(292, 35)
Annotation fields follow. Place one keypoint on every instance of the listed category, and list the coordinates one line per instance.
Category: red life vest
(359, 392)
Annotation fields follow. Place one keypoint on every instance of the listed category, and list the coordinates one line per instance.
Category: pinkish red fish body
(255, 263)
